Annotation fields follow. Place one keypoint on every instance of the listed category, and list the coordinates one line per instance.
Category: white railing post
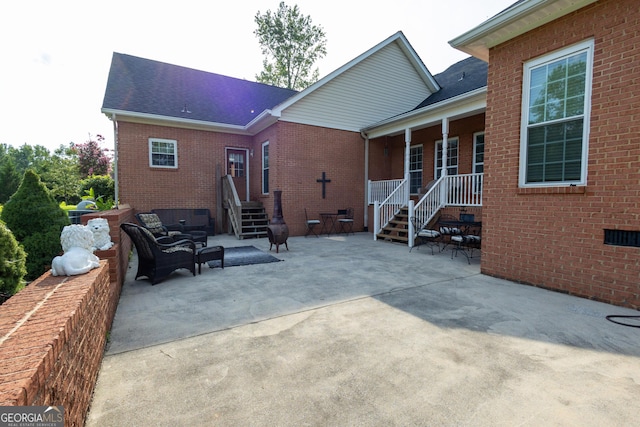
(376, 219)
(412, 232)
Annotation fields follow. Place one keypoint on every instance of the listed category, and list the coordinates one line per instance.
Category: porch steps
(398, 228)
(254, 221)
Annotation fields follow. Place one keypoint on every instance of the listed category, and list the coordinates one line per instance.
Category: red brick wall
(553, 237)
(191, 185)
(53, 332)
(52, 337)
(299, 155)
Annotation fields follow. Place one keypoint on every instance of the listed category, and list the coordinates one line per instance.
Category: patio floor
(349, 331)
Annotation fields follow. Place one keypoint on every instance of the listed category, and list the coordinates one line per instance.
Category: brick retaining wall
(53, 332)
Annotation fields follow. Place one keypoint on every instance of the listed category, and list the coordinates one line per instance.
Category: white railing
(452, 190)
(464, 190)
(380, 190)
(385, 210)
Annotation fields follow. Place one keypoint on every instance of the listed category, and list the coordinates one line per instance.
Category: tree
(92, 159)
(36, 220)
(12, 263)
(291, 46)
(9, 177)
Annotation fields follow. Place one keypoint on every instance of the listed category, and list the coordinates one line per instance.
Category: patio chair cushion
(432, 234)
(450, 230)
(152, 223)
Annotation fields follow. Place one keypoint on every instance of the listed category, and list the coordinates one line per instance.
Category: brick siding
(553, 237)
(53, 332)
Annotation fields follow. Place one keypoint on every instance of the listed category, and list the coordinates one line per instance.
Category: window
(265, 167)
(478, 152)
(555, 117)
(235, 164)
(478, 159)
(163, 153)
(452, 157)
(415, 169)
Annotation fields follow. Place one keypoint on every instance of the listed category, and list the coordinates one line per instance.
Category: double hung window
(555, 117)
(452, 157)
(163, 153)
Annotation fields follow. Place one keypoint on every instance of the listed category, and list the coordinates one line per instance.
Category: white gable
(384, 82)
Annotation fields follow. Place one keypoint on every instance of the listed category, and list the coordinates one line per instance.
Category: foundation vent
(622, 238)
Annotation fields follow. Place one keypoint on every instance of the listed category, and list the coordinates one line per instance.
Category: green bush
(103, 186)
(12, 262)
(36, 220)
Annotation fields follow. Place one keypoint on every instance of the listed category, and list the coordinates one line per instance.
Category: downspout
(366, 179)
(115, 160)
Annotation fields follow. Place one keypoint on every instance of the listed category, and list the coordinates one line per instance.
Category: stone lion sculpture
(100, 229)
(78, 258)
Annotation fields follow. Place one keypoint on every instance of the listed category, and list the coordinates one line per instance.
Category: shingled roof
(138, 85)
(462, 77)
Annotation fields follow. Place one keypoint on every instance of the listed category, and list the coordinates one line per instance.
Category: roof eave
(175, 121)
(471, 102)
(512, 22)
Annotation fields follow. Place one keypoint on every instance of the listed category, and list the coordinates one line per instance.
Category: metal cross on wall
(324, 181)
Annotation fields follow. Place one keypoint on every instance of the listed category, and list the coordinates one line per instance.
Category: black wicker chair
(151, 221)
(157, 258)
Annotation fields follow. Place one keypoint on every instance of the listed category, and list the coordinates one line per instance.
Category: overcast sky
(56, 54)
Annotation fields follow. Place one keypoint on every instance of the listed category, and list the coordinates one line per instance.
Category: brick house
(557, 191)
(180, 132)
(562, 170)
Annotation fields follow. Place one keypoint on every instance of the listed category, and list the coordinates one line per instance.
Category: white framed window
(478, 159)
(415, 169)
(452, 157)
(163, 153)
(556, 105)
(265, 167)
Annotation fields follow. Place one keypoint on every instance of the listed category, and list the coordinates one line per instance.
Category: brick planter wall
(53, 332)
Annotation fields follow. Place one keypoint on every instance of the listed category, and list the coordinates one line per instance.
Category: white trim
(512, 22)
(399, 37)
(584, 46)
(475, 143)
(262, 168)
(246, 166)
(467, 104)
(435, 157)
(175, 152)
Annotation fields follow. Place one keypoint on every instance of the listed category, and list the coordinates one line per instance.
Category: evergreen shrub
(12, 262)
(36, 220)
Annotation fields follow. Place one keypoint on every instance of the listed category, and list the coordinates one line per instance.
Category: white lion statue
(100, 229)
(78, 258)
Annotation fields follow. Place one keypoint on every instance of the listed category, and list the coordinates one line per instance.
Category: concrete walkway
(347, 331)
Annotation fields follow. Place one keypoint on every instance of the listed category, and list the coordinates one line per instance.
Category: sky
(55, 56)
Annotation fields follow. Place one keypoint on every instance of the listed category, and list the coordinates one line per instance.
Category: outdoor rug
(244, 255)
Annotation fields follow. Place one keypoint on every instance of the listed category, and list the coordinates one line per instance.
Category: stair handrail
(230, 194)
(426, 208)
(384, 211)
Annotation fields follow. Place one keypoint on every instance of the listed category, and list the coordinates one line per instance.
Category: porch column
(407, 153)
(445, 134)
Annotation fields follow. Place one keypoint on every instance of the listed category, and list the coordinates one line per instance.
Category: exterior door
(237, 167)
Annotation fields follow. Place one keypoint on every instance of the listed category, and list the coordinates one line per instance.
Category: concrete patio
(347, 331)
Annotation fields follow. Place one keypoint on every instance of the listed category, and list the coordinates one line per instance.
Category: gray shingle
(151, 87)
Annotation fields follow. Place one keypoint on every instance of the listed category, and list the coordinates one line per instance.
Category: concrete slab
(349, 331)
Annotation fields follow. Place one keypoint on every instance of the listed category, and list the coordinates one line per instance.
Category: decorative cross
(324, 181)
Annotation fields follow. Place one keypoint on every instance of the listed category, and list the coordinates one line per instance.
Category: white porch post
(407, 152)
(445, 135)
